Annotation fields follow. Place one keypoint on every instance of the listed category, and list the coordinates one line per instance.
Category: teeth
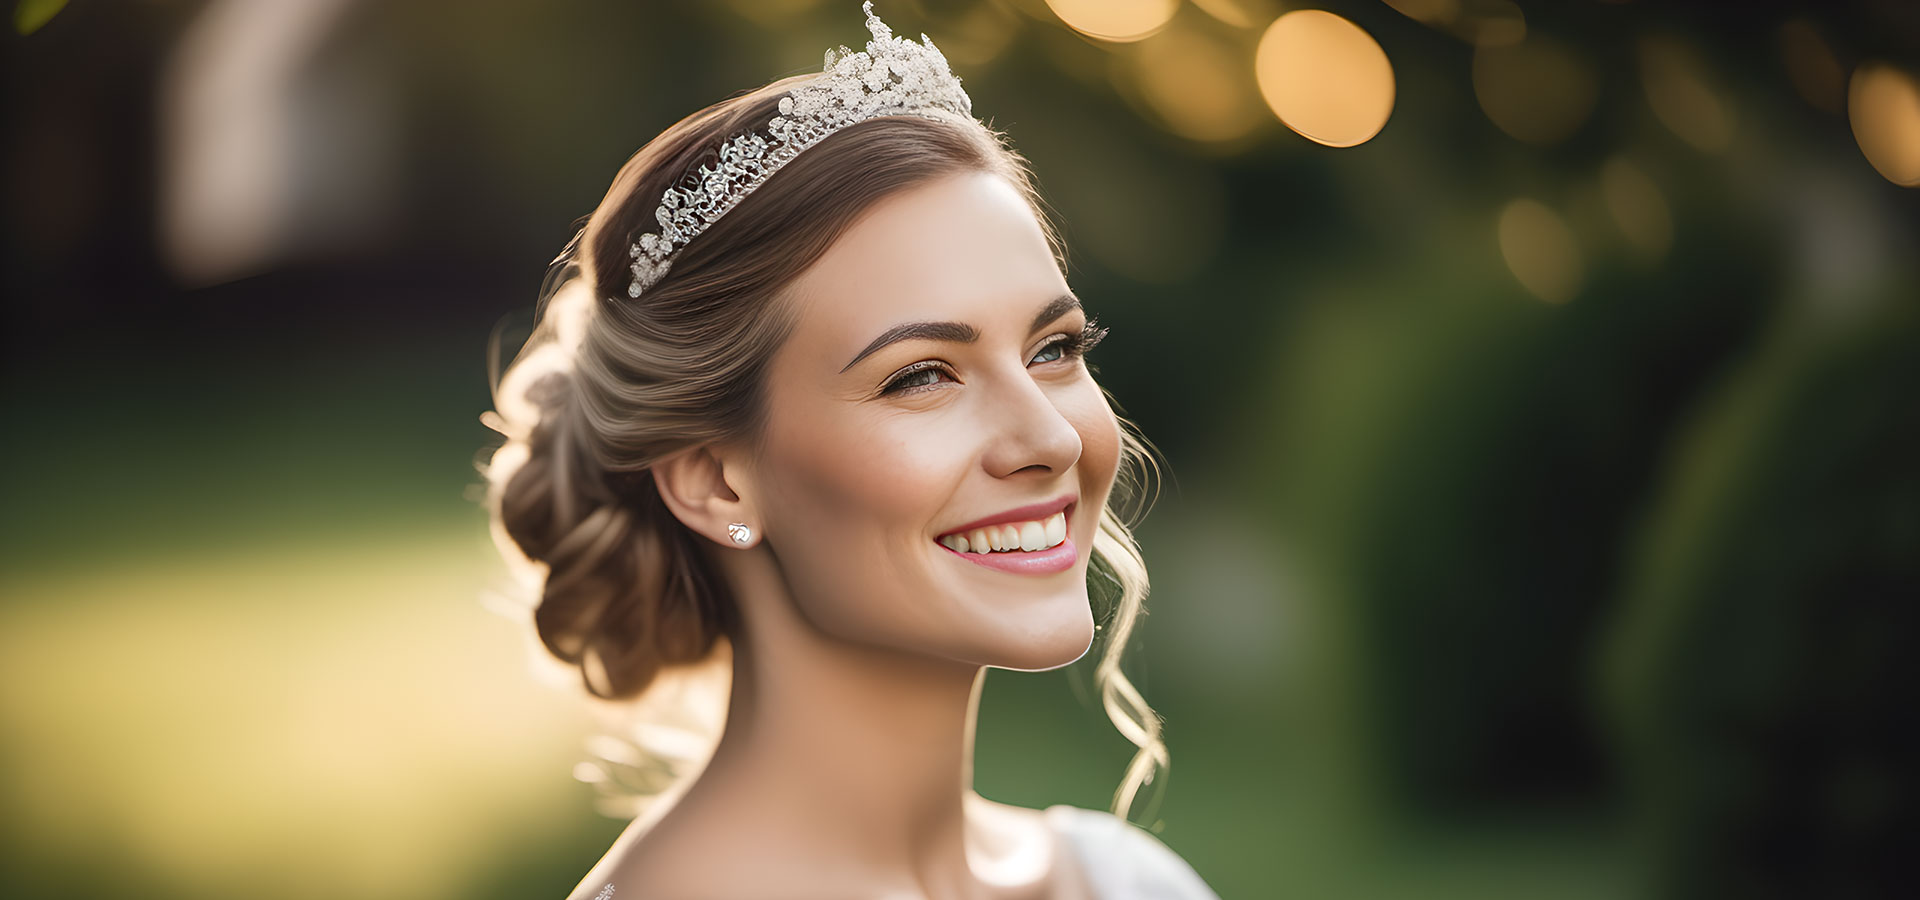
(1033, 536)
(1042, 534)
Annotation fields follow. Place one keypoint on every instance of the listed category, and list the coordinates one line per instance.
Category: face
(973, 407)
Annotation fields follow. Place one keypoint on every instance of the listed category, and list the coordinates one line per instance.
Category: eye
(925, 375)
(1068, 345)
(918, 377)
(1056, 347)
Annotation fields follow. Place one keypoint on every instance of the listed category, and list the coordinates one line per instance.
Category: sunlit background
(1538, 381)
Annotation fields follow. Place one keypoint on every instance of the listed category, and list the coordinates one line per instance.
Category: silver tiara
(892, 77)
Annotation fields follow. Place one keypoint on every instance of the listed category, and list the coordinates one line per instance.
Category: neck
(864, 753)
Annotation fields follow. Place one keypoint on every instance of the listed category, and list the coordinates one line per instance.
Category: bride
(808, 396)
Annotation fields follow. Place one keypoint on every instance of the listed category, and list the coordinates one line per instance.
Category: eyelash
(1071, 345)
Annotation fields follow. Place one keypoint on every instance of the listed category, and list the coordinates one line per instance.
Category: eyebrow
(958, 332)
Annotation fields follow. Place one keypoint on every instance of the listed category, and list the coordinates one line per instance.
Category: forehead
(965, 248)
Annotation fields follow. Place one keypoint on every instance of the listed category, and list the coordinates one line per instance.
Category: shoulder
(707, 857)
(1123, 861)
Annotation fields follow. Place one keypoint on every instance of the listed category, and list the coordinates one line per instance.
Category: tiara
(893, 76)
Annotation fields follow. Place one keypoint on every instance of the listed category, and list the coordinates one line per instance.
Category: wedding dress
(1123, 861)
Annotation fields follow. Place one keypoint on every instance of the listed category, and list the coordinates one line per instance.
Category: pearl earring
(740, 533)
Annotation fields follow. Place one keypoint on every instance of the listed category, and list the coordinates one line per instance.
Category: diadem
(892, 77)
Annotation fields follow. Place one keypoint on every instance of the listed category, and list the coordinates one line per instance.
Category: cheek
(854, 493)
(1099, 445)
(846, 509)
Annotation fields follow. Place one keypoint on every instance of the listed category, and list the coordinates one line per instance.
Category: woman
(823, 416)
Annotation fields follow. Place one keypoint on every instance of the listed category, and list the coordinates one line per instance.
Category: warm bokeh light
(1883, 103)
(1325, 77)
(256, 640)
(1539, 90)
(1816, 74)
(1540, 250)
(1196, 85)
(1491, 23)
(1637, 207)
(1241, 13)
(1679, 91)
(1115, 20)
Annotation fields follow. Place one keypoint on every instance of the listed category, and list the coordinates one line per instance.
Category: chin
(1039, 651)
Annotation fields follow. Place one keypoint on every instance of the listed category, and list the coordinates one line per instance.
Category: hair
(604, 387)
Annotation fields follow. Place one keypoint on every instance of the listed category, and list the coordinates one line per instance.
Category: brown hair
(606, 386)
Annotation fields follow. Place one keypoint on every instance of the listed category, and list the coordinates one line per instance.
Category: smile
(1033, 534)
(1036, 543)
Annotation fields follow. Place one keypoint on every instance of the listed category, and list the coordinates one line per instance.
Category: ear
(694, 484)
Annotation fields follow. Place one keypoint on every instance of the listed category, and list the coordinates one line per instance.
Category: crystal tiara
(892, 77)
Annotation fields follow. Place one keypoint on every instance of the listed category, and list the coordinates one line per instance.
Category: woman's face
(879, 449)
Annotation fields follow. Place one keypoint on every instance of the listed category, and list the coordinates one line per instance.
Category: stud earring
(740, 533)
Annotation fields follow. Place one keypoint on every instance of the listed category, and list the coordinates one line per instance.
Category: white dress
(1123, 861)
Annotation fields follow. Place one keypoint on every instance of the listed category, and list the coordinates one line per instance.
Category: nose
(1029, 431)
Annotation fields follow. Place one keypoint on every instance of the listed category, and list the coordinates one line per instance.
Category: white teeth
(1033, 536)
(1041, 534)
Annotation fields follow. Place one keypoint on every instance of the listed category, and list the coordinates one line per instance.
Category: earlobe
(694, 486)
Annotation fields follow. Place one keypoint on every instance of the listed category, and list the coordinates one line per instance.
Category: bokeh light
(1540, 250)
(1680, 92)
(1538, 90)
(1115, 20)
(1471, 435)
(1816, 74)
(1325, 77)
(1883, 103)
(1196, 85)
(1240, 13)
(1637, 207)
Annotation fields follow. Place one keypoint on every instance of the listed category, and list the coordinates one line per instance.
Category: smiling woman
(840, 437)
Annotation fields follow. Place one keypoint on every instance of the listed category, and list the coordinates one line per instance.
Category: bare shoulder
(697, 857)
(648, 861)
(606, 892)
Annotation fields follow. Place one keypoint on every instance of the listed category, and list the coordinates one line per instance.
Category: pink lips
(1020, 514)
(1025, 562)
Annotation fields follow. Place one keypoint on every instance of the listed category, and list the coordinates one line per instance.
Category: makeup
(1024, 562)
(1044, 527)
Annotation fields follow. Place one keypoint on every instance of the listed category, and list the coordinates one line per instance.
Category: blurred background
(1538, 382)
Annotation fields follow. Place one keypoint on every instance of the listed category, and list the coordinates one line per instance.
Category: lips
(1031, 512)
(1053, 558)
(1024, 562)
